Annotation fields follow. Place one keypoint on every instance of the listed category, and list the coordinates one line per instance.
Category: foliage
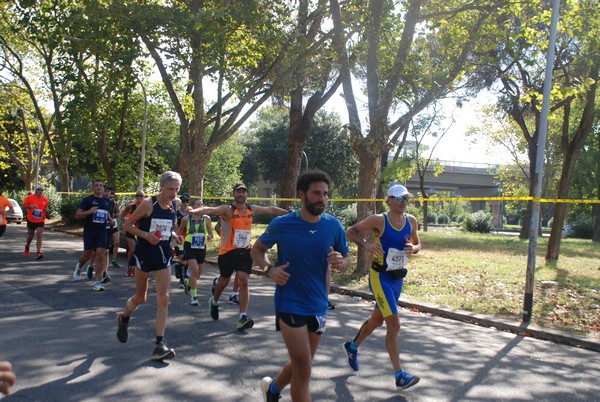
(68, 208)
(328, 149)
(345, 212)
(431, 217)
(480, 222)
(222, 172)
(443, 219)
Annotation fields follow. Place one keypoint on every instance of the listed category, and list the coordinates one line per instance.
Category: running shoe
(330, 305)
(115, 264)
(26, 253)
(90, 272)
(122, 333)
(39, 255)
(186, 287)
(212, 309)
(129, 271)
(105, 278)
(352, 356)
(405, 380)
(161, 352)
(212, 289)
(233, 299)
(245, 323)
(194, 301)
(264, 386)
(98, 287)
(77, 273)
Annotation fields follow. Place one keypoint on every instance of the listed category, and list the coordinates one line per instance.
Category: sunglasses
(403, 198)
(139, 195)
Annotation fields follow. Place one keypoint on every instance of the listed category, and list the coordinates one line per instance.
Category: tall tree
(231, 57)
(415, 52)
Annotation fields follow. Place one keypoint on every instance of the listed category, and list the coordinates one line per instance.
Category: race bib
(37, 213)
(198, 241)
(164, 227)
(396, 259)
(241, 238)
(100, 216)
(322, 320)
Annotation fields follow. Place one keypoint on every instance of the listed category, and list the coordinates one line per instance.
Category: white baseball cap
(398, 190)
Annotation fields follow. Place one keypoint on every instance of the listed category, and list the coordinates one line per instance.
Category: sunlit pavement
(60, 337)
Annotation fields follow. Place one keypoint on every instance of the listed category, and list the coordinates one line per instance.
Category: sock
(234, 294)
(194, 292)
(353, 346)
(242, 314)
(398, 373)
(159, 339)
(215, 302)
(274, 389)
(77, 266)
(125, 318)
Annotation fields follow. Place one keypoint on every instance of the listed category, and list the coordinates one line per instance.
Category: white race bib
(162, 226)
(241, 238)
(100, 216)
(198, 241)
(396, 259)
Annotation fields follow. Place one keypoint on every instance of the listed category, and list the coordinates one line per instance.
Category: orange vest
(236, 232)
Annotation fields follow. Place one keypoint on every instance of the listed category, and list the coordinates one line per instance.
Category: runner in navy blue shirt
(157, 223)
(309, 243)
(94, 209)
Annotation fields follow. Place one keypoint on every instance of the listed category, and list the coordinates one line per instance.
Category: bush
(68, 208)
(582, 230)
(347, 214)
(479, 222)
(431, 217)
(443, 219)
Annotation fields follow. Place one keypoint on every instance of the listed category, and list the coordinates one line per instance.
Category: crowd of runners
(165, 231)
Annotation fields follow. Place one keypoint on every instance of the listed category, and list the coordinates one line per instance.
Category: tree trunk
(368, 178)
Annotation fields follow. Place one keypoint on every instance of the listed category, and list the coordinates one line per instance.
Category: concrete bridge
(466, 180)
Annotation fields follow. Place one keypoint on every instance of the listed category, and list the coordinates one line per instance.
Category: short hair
(309, 177)
(169, 176)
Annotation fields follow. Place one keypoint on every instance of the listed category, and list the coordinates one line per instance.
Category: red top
(37, 213)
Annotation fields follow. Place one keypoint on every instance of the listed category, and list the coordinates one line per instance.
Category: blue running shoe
(405, 380)
(212, 289)
(352, 356)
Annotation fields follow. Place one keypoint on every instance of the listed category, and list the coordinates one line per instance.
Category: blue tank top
(392, 242)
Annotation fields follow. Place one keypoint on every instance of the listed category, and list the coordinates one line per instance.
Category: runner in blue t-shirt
(309, 242)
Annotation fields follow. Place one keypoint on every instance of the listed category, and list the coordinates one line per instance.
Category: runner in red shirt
(36, 205)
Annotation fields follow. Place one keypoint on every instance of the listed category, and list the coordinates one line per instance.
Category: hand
(335, 259)
(278, 274)
(7, 377)
(409, 248)
(92, 210)
(374, 248)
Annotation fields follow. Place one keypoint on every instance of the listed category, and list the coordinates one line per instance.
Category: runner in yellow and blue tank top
(396, 238)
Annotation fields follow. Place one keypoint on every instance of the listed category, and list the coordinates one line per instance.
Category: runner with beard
(234, 251)
(309, 242)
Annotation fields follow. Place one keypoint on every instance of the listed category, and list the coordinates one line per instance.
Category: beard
(314, 208)
(240, 199)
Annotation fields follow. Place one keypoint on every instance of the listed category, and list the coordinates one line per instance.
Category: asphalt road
(60, 337)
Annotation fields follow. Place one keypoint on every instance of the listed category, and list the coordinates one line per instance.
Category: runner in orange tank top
(234, 252)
